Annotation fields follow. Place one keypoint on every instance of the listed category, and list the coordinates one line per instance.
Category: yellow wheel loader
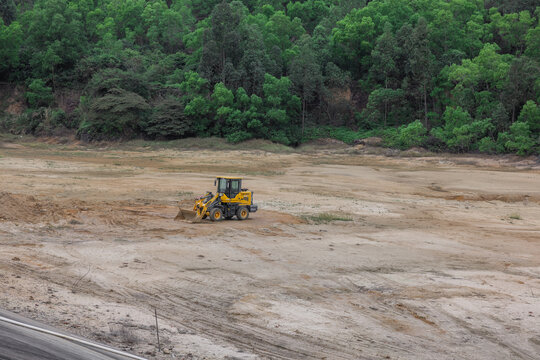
(229, 201)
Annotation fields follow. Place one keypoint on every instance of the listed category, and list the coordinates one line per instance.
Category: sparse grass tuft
(123, 332)
(515, 216)
(185, 194)
(327, 217)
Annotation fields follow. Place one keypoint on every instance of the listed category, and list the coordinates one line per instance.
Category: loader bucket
(187, 215)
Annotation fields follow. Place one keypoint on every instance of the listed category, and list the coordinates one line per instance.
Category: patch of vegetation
(185, 194)
(327, 217)
(515, 216)
(448, 75)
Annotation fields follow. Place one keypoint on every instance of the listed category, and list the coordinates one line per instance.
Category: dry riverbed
(351, 256)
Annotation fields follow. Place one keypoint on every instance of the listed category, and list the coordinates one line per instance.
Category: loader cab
(229, 186)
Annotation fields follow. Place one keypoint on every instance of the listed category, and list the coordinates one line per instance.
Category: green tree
(281, 109)
(8, 11)
(460, 132)
(385, 56)
(253, 61)
(532, 40)
(530, 114)
(119, 113)
(198, 112)
(382, 104)
(419, 63)
(168, 120)
(11, 38)
(518, 139)
(520, 85)
(39, 94)
(305, 73)
(221, 43)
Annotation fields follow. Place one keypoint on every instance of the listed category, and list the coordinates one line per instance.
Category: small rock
(16, 259)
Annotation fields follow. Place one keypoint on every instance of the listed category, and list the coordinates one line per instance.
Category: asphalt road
(18, 343)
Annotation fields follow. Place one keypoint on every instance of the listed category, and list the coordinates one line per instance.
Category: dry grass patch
(327, 217)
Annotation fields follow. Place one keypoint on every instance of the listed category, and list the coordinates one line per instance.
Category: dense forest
(449, 75)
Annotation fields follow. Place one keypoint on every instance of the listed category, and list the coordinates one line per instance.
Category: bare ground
(439, 258)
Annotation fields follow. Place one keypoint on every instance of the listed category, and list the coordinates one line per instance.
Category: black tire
(242, 213)
(216, 214)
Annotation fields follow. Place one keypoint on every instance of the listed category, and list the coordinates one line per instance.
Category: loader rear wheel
(216, 214)
(242, 213)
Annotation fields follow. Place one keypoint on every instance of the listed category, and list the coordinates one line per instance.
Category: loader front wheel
(242, 213)
(216, 214)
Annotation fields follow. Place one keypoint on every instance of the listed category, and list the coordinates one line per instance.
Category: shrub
(168, 120)
(460, 132)
(530, 114)
(518, 139)
(339, 133)
(42, 121)
(279, 136)
(38, 94)
(238, 136)
(487, 145)
(411, 135)
(118, 113)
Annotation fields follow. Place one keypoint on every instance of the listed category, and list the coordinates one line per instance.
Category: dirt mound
(25, 208)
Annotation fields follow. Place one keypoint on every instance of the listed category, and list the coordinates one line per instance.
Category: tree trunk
(52, 71)
(223, 66)
(303, 115)
(385, 111)
(385, 101)
(425, 107)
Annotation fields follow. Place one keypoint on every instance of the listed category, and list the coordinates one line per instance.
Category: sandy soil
(439, 258)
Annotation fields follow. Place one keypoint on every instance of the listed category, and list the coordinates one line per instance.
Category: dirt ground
(435, 257)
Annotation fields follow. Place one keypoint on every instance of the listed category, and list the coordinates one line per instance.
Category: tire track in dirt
(209, 317)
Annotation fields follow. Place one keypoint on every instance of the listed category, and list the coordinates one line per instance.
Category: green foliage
(451, 75)
(518, 139)
(238, 136)
(346, 135)
(411, 135)
(530, 114)
(8, 11)
(41, 121)
(487, 145)
(460, 132)
(39, 94)
(168, 120)
(119, 113)
(324, 218)
(11, 38)
(384, 106)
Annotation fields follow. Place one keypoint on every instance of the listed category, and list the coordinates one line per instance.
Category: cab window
(222, 186)
(235, 186)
